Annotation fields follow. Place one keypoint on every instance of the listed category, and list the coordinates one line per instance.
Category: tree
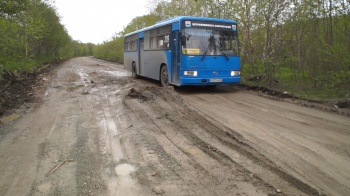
(12, 8)
(31, 34)
(139, 23)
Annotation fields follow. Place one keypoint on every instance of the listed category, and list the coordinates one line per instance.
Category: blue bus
(185, 50)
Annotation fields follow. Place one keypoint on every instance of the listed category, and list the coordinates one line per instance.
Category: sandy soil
(97, 131)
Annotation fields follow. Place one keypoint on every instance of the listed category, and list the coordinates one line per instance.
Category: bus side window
(147, 41)
(153, 43)
(133, 45)
(166, 41)
(161, 42)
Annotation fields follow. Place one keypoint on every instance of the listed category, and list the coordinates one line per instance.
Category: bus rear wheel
(133, 71)
(164, 76)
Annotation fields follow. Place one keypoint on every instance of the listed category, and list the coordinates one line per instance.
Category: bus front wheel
(164, 76)
(133, 71)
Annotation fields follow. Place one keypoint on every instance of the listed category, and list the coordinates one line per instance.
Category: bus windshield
(211, 42)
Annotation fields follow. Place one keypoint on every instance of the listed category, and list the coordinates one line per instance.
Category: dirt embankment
(100, 132)
(338, 107)
(19, 92)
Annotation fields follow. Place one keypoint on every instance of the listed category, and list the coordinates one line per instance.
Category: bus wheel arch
(164, 75)
(133, 70)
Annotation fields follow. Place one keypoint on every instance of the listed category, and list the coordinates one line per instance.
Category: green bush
(339, 83)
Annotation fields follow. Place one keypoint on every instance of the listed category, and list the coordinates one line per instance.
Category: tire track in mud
(104, 100)
(76, 133)
(71, 137)
(227, 144)
(207, 148)
(293, 138)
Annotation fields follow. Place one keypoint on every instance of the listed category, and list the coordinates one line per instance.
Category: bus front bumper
(209, 81)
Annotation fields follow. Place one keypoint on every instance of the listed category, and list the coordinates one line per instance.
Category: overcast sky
(96, 21)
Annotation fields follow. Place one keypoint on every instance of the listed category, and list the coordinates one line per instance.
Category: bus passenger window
(166, 39)
(161, 42)
(147, 40)
(153, 43)
(127, 46)
(133, 45)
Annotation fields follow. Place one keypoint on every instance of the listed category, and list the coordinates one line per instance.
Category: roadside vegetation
(31, 35)
(297, 47)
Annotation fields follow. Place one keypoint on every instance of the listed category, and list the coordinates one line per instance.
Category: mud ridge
(237, 142)
(338, 107)
(226, 136)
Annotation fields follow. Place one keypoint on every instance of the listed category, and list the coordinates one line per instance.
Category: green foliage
(139, 23)
(11, 41)
(10, 8)
(112, 50)
(31, 35)
(339, 83)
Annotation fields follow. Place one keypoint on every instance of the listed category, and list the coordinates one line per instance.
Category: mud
(132, 137)
(338, 107)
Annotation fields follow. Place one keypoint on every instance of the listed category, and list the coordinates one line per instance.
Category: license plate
(215, 80)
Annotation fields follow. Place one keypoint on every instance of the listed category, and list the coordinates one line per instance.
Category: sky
(95, 21)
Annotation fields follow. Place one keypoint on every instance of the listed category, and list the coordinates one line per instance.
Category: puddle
(124, 169)
(118, 73)
(108, 131)
(124, 184)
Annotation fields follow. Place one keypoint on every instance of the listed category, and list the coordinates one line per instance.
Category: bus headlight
(190, 73)
(235, 73)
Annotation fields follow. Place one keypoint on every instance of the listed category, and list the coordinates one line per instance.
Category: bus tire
(133, 71)
(164, 76)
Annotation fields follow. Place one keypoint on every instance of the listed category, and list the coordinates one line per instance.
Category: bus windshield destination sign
(189, 24)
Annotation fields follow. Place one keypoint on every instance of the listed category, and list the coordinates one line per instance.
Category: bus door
(140, 56)
(175, 57)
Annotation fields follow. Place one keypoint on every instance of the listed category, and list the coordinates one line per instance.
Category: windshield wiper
(205, 53)
(223, 53)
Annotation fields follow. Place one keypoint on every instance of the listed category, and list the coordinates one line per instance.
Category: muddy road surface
(98, 131)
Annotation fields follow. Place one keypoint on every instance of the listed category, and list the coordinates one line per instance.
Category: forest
(297, 46)
(32, 35)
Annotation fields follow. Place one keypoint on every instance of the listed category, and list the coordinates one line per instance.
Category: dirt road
(100, 132)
